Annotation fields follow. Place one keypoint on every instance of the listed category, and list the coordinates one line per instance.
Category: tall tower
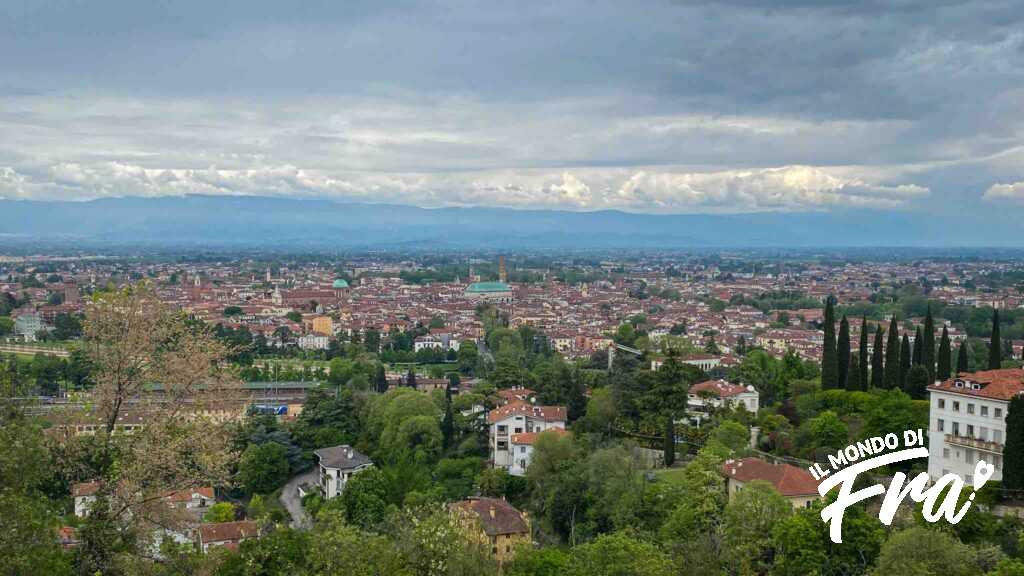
(502, 274)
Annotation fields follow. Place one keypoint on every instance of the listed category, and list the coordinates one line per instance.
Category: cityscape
(455, 288)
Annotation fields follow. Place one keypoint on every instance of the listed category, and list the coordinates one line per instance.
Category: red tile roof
(186, 495)
(520, 408)
(721, 388)
(227, 531)
(1001, 384)
(85, 489)
(787, 480)
(496, 516)
(528, 438)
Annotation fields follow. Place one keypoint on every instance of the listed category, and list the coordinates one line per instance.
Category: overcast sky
(644, 106)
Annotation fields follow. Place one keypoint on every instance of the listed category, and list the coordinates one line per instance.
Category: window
(945, 453)
(942, 403)
(970, 408)
(984, 410)
(970, 430)
(502, 445)
(956, 406)
(956, 428)
(502, 429)
(997, 436)
(999, 412)
(522, 449)
(983, 433)
(519, 430)
(941, 425)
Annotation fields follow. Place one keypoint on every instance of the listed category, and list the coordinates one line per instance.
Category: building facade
(337, 465)
(516, 418)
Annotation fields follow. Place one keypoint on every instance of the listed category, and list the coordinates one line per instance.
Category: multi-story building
(514, 418)
(314, 342)
(495, 523)
(967, 421)
(323, 325)
(716, 393)
(337, 465)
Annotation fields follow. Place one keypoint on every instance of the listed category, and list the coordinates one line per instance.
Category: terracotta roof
(721, 388)
(1001, 384)
(186, 495)
(496, 516)
(528, 438)
(787, 480)
(520, 408)
(227, 531)
(85, 489)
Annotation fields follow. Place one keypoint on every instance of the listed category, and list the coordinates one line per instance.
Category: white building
(337, 465)
(521, 447)
(314, 342)
(716, 393)
(28, 325)
(84, 495)
(705, 362)
(514, 418)
(967, 421)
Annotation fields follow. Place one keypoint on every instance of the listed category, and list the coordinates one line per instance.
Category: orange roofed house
(229, 534)
(967, 421)
(795, 484)
(518, 418)
(494, 522)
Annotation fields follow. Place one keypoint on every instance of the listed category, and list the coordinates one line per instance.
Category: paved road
(291, 501)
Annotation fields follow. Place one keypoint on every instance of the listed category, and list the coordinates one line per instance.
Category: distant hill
(276, 222)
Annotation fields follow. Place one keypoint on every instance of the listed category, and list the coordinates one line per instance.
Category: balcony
(983, 445)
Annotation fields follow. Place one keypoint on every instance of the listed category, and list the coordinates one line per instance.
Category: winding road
(291, 501)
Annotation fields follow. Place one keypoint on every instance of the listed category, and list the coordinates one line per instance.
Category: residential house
(84, 495)
(494, 522)
(718, 393)
(337, 465)
(229, 534)
(521, 447)
(518, 417)
(795, 484)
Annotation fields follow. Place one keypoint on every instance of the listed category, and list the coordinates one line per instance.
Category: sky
(648, 106)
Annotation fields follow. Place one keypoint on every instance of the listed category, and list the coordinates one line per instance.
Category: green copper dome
(340, 283)
(483, 287)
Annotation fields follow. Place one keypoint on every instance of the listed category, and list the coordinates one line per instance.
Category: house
(518, 417)
(795, 484)
(314, 342)
(337, 465)
(67, 537)
(27, 325)
(229, 534)
(192, 499)
(427, 341)
(495, 522)
(521, 446)
(84, 495)
(718, 393)
(967, 421)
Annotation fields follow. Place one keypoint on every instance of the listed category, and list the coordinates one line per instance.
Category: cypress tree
(670, 442)
(853, 383)
(995, 354)
(829, 362)
(862, 383)
(962, 360)
(928, 346)
(843, 353)
(905, 359)
(945, 357)
(917, 347)
(877, 353)
(1013, 449)
(892, 355)
(410, 379)
(448, 424)
(380, 380)
(917, 382)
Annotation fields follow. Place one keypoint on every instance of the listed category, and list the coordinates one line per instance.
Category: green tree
(995, 354)
(827, 430)
(263, 468)
(924, 551)
(906, 358)
(732, 435)
(530, 561)
(670, 441)
(892, 355)
(339, 548)
(618, 555)
(843, 353)
(877, 364)
(945, 360)
(365, 499)
(749, 519)
(918, 354)
(1013, 449)
(855, 373)
(829, 358)
(220, 512)
(928, 345)
(962, 355)
(862, 351)
(917, 382)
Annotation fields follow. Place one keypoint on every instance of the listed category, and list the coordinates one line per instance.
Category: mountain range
(260, 221)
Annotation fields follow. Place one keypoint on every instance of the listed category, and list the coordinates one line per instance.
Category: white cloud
(1013, 192)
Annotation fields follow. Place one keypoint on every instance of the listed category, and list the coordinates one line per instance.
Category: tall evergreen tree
(905, 359)
(410, 378)
(829, 361)
(670, 442)
(962, 358)
(917, 382)
(862, 383)
(380, 380)
(995, 354)
(843, 352)
(1013, 449)
(877, 353)
(448, 423)
(1007, 349)
(928, 345)
(918, 347)
(892, 355)
(945, 362)
(853, 383)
